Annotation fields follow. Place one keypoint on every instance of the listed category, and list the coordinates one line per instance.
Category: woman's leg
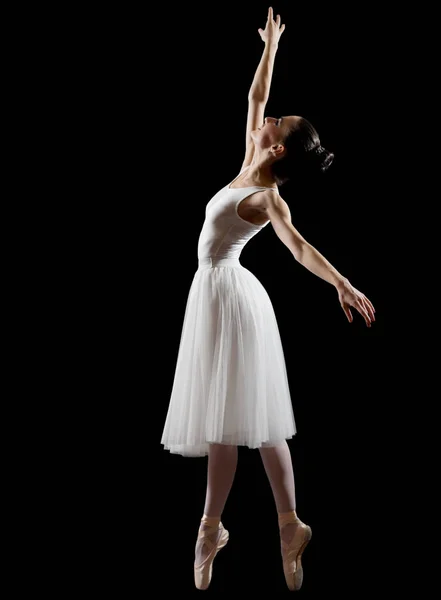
(278, 467)
(222, 464)
(294, 534)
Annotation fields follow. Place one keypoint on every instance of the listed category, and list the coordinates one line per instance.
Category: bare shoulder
(272, 204)
(269, 198)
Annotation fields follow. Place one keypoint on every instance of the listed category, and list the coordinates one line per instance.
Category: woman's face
(273, 131)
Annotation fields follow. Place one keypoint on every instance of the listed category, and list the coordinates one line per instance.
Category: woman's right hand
(272, 32)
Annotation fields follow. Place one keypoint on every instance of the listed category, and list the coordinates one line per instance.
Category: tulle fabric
(230, 384)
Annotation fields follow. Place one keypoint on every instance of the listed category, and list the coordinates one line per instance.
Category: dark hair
(304, 153)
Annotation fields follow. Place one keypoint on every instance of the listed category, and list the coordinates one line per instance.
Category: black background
(171, 116)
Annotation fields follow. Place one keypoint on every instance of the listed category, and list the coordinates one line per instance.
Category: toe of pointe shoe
(294, 579)
(202, 578)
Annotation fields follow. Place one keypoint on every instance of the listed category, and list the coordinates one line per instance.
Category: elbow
(298, 251)
(256, 95)
(295, 243)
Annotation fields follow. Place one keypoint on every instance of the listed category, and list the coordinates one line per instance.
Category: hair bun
(322, 157)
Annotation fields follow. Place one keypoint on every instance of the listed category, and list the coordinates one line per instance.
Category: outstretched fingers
(368, 306)
(364, 313)
(369, 303)
(348, 313)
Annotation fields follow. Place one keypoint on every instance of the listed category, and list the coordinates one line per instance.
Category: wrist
(272, 46)
(340, 281)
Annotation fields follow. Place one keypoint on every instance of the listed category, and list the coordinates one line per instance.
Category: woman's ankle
(287, 517)
(210, 521)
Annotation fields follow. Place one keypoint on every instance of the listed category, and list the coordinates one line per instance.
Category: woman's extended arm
(279, 214)
(260, 87)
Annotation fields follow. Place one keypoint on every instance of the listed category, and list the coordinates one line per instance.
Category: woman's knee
(273, 448)
(222, 449)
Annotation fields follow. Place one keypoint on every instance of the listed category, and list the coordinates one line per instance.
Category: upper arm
(278, 213)
(256, 113)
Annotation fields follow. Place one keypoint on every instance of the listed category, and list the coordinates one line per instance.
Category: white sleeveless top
(224, 233)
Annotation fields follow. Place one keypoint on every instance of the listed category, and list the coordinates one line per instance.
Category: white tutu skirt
(230, 384)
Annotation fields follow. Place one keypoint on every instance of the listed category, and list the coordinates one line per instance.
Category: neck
(260, 172)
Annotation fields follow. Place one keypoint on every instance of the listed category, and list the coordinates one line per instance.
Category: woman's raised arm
(260, 87)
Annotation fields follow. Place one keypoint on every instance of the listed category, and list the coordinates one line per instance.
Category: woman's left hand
(272, 32)
(349, 296)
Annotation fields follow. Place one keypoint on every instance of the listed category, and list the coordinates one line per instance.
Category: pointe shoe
(292, 552)
(203, 572)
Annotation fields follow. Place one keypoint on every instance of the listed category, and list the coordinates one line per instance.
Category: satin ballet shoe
(292, 552)
(203, 572)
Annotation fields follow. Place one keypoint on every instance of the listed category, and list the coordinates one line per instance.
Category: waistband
(209, 263)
